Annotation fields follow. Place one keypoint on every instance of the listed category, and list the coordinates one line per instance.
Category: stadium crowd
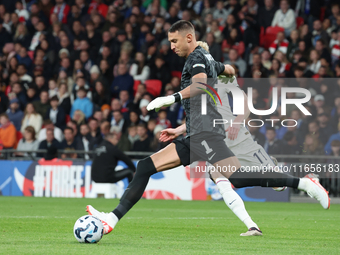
(73, 71)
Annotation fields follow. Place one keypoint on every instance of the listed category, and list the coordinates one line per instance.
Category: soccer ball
(88, 229)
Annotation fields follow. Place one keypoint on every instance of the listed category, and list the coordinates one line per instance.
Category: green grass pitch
(44, 226)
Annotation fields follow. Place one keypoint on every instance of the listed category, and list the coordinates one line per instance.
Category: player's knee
(145, 167)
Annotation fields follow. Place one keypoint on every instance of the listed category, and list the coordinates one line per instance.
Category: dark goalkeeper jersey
(195, 121)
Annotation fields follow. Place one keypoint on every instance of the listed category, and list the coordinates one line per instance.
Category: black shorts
(205, 146)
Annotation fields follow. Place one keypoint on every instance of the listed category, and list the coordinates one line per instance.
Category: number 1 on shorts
(206, 146)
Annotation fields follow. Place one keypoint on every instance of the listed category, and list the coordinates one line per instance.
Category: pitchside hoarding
(60, 178)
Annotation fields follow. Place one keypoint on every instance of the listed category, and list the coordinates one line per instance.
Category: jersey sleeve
(198, 64)
(219, 67)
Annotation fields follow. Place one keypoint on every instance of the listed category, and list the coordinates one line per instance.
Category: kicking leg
(235, 203)
(241, 178)
(165, 159)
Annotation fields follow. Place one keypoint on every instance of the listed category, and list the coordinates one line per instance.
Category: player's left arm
(196, 86)
(233, 129)
(229, 71)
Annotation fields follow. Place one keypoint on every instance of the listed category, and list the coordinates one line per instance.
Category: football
(88, 229)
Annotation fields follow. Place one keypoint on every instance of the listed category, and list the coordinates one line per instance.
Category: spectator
(156, 145)
(43, 105)
(99, 7)
(23, 58)
(280, 44)
(40, 84)
(214, 48)
(82, 103)
(57, 133)
(139, 70)
(266, 13)
(233, 41)
(284, 17)
(83, 143)
(104, 128)
(28, 142)
(81, 83)
(124, 144)
(123, 81)
(79, 117)
(314, 130)
(272, 145)
(64, 98)
(50, 144)
(143, 143)
(323, 50)
(145, 114)
(257, 65)
(335, 146)
(5, 37)
(19, 93)
(235, 59)
(335, 9)
(52, 88)
(336, 51)
(290, 146)
(125, 102)
(56, 113)
(318, 33)
(31, 118)
(14, 113)
(160, 71)
(118, 120)
(8, 135)
(312, 146)
(3, 101)
(101, 96)
(39, 29)
(220, 14)
(69, 143)
(94, 75)
(133, 118)
(62, 10)
(162, 119)
(333, 137)
(293, 44)
(95, 134)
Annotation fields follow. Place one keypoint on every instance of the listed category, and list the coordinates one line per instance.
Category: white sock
(112, 220)
(303, 184)
(234, 202)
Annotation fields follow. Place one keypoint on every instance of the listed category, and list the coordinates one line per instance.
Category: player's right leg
(164, 159)
(235, 203)
(223, 158)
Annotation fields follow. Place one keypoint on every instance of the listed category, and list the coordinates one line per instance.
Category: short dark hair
(47, 122)
(288, 136)
(142, 125)
(68, 128)
(82, 89)
(54, 98)
(299, 68)
(270, 128)
(4, 115)
(181, 25)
